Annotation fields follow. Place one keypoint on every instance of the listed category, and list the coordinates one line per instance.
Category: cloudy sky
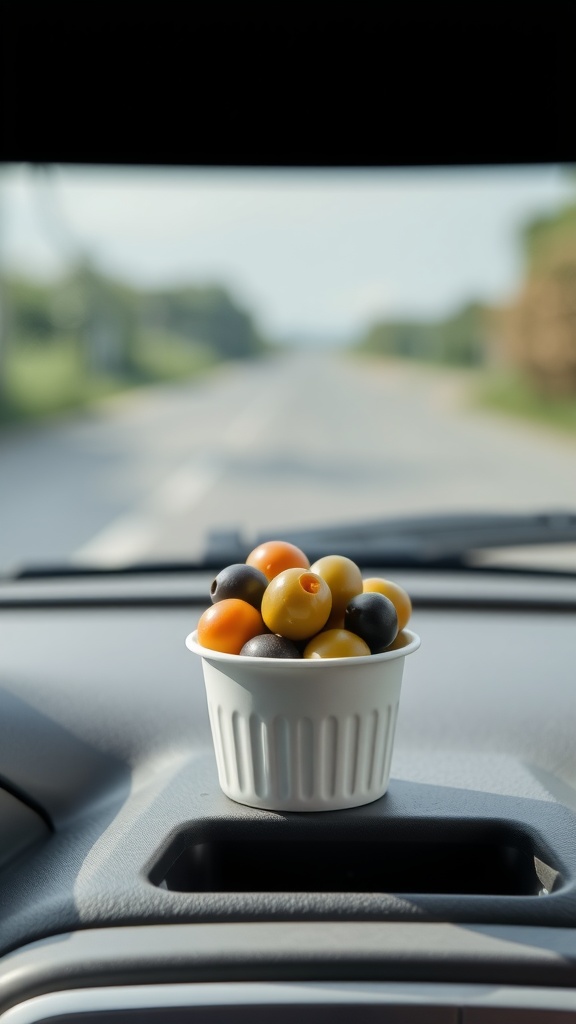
(310, 253)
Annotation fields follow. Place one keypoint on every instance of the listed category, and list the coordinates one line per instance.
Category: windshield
(191, 351)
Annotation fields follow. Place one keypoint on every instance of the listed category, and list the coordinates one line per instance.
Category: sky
(317, 254)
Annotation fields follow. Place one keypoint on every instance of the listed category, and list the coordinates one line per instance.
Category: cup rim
(315, 664)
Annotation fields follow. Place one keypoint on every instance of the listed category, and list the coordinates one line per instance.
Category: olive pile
(277, 605)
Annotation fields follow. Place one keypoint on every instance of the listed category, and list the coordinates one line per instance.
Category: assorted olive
(275, 556)
(336, 643)
(270, 645)
(241, 581)
(344, 579)
(296, 604)
(277, 605)
(394, 593)
(372, 617)
(228, 625)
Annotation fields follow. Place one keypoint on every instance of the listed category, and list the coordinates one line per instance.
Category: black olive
(269, 645)
(372, 617)
(241, 581)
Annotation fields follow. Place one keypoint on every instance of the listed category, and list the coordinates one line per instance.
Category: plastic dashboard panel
(104, 734)
(318, 1002)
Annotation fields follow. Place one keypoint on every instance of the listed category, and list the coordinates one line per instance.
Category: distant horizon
(310, 254)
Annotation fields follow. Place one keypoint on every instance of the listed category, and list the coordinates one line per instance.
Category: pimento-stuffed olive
(296, 604)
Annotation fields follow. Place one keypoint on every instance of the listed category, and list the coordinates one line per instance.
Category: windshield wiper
(418, 542)
(434, 541)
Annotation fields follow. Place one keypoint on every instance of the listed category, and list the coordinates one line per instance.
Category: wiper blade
(66, 570)
(407, 542)
(435, 541)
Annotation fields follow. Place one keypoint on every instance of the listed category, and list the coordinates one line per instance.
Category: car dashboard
(132, 888)
(132, 891)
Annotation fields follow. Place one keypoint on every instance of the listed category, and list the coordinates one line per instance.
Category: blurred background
(186, 350)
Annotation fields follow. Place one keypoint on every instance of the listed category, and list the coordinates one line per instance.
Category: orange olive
(274, 556)
(228, 625)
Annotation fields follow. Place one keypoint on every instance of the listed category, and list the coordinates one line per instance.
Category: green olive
(296, 604)
(336, 643)
(345, 581)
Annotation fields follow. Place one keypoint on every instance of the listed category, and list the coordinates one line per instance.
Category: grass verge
(43, 380)
(514, 395)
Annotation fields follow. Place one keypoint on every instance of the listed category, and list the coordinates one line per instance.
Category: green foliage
(463, 336)
(208, 315)
(28, 309)
(549, 242)
(458, 340)
(45, 379)
(163, 357)
(87, 335)
(405, 338)
(512, 393)
(542, 320)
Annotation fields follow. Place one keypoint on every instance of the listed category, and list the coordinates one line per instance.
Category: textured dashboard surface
(104, 727)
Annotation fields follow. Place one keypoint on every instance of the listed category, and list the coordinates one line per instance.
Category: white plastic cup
(303, 734)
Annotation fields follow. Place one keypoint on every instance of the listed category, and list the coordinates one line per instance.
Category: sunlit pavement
(305, 439)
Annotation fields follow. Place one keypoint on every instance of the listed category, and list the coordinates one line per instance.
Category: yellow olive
(336, 643)
(296, 604)
(344, 579)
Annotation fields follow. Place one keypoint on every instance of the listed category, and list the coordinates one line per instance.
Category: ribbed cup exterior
(299, 736)
(302, 762)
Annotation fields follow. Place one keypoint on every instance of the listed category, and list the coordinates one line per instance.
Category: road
(302, 439)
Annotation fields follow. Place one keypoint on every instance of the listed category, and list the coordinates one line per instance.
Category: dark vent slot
(496, 868)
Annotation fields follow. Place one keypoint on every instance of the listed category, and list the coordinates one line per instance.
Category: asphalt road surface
(303, 439)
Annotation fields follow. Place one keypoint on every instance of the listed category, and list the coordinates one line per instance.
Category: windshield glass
(184, 351)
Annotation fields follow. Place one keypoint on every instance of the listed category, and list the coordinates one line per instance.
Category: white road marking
(122, 542)
(131, 537)
(185, 488)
